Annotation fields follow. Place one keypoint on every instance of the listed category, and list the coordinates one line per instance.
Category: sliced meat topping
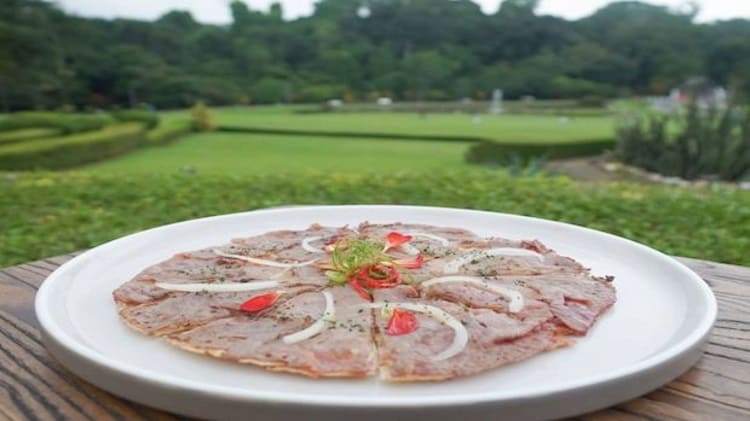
(344, 349)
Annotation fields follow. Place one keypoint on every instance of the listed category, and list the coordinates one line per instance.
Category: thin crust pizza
(406, 302)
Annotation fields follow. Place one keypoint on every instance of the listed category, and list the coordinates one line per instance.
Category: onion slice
(218, 287)
(515, 297)
(263, 262)
(409, 249)
(460, 337)
(443, 241)
(329, 314)
(312, 249)
(454, 265)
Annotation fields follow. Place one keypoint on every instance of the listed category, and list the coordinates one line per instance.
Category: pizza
(405, 302)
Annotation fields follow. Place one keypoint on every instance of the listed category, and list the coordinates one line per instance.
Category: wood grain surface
(34, 386)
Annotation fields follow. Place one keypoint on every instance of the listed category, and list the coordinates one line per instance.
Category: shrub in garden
(697, 143)
(73, 150)
(202, 118)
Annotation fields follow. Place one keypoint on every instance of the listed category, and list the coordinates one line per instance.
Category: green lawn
(507, 128)
(243, 154)
(45, 214)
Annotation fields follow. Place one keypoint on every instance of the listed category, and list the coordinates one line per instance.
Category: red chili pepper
(395, 239)
(533, 246)
(260, 302)
(401, 322)
(360, 290)
(411, 264)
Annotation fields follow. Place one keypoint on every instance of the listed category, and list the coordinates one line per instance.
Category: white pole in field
(497, 102)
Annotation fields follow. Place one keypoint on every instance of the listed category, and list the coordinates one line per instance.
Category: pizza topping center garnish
(260, 302)
(366, 266)
(401, 322)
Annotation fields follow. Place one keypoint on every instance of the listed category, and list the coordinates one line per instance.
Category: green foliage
(420, 49)
(269, 90)
(72, 150)
(502, 153)
(202, 118)
(20, 135)
(147, 118)
(45, 214)
(320, 93)
(66, 123)
(697, 143)
(168, 130)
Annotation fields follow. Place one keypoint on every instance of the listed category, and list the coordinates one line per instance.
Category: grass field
(243, 154)
(504, 128)
(45, 214)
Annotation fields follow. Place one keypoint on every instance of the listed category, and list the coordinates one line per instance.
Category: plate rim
(52, 331)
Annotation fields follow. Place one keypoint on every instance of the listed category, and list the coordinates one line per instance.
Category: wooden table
(35, 386)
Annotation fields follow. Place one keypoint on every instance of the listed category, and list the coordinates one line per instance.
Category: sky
(216, 11)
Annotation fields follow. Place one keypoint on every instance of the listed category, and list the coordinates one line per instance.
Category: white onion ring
(329, 314)
(516, 298)
(460, 336)
(454, 265)
(312, 249)
(443, 241)
(263, 262)
(218, 287)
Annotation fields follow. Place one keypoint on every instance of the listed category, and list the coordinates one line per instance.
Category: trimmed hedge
(66, 123)
(20, 135)
(168, 130)
(45, 214)
(73, 150)
(149, 119)
(484, 151)
(318, 133)
(495, 153)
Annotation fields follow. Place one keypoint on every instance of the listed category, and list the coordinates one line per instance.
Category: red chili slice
(360, 290)
(395, 239)
(401, 322)
(532, 245)
(260, 302)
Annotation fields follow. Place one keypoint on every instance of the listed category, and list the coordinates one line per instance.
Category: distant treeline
(410, 50)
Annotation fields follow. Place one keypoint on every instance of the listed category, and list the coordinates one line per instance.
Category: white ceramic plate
(653, 333)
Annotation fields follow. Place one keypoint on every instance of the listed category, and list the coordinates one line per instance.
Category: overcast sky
(216, 11)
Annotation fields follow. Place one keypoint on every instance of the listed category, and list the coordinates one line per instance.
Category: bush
(20, 135)
(46, 214)
(202, 118)
(697, 143)
(495, 153)
(69, 151)
(64, 122)
(168, 130)
(149, 119)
